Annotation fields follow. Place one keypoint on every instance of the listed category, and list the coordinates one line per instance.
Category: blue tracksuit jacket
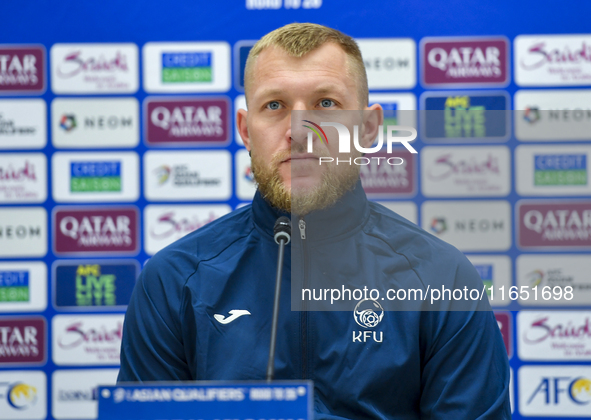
(412, 365)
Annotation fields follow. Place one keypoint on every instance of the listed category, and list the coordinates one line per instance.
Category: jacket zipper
(304, 313)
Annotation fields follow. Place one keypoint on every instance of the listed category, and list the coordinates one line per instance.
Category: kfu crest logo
(368, 313)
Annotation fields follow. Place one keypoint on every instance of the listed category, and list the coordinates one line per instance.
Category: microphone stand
(282, 230)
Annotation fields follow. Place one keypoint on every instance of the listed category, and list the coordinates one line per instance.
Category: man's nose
(298, 132)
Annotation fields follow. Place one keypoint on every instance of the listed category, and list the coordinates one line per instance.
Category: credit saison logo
(14, 286)
(560, 169)
(95, 176)
(345, 142)
(485, 271)
(187, 67)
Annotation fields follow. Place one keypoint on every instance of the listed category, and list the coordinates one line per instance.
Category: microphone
(282, 235)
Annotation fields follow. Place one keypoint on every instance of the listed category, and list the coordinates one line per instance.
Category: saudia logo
(345, 142)
(74, 64)
(543, 329)
(368, 313)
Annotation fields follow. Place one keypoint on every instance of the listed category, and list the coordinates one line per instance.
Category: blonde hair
(298, 39)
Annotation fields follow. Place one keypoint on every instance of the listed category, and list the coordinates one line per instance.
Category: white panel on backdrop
(95, 177)
(469, 225)
(187, 175)
(390, 63)
(95, 123)
(554, 273)
(245, 185)
(465, 171)
(495, 271)
(23, 286)
(239, 103)
(557, 391)
(552, 60)
(164, 224)
(79, 340)
(23, 178)
(553, 170)
(23, 395)
(175, 67)
(554, 335)
(406, 209)
(23, 232)
(75, 392)
(94, 68)
(552, 115)
(23, 124)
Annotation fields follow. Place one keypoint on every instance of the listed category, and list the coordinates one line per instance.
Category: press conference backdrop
(117, 137)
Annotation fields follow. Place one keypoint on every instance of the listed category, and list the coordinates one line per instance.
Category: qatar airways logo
(345, 142)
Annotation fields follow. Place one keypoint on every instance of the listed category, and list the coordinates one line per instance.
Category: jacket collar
(347, 215)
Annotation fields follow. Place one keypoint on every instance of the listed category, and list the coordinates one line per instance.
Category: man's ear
(242, 127)
(373, 118)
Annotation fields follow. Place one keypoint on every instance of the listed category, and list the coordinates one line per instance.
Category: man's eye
(326, 103)
(273, 105)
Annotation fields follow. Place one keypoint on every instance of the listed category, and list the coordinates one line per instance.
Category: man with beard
(202, 307)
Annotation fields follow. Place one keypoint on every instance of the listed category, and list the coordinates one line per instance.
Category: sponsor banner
(505, 326)
(95, 177)
(23, 286)
(95, 231)
(23, 232)
(164, 224)
(23, 124)
(552, 60)
(22, 69)
(560, 391)
(466, 171)
(553, 170)
(469, 225)
(93, 285)
(245, 184)
(399, 109)
(75, 392)
(94, 68)
(554, 224)
(561, 280)
(241, 50)
(465, 62)
(390, 63)
(23, 341)
(554, 335)
(186, 67)
(190, 121)
(23, 395)
(406, 209)
(23, 178)
(495, 271)
(187, 175)
(239, 103)
(390, 181)
(95, 123)
(86, 339)
(465, 116)
(552, 115)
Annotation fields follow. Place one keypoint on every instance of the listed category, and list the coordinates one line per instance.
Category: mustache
(297, 148)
